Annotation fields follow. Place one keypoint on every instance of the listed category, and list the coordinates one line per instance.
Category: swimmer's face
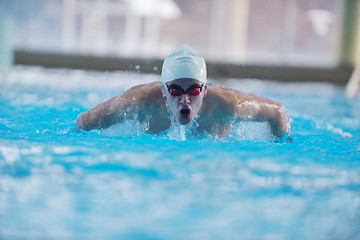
(185, 98)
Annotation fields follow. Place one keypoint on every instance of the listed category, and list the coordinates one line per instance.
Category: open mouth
(185, 113)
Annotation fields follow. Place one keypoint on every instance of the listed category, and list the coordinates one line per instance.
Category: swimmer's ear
(205, 90)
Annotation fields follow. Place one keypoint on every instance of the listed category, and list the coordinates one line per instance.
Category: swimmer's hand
(278, 121)
(84, 121)
(80, 123)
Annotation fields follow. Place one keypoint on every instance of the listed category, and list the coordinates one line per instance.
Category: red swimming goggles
(193, 90)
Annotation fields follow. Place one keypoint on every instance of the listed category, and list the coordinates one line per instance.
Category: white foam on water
(313, 178)
(11, 154)
(33, 150)
(137, 160)
(64, 150)
(240, 131)
(128, 127)
(115, 202)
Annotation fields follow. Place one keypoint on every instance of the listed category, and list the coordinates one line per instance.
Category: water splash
(257, 131)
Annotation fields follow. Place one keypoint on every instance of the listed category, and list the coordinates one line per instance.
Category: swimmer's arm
(112, 111)
(259, 109)
(102, 115)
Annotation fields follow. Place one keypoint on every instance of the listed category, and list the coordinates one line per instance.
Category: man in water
(184, 96)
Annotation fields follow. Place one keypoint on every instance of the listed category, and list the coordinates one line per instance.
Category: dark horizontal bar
(338, 74)
(87, 62)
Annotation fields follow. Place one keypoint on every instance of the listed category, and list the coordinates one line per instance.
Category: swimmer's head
(184, 62)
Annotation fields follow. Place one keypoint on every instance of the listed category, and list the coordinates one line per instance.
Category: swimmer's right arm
(118, 108)
(102, 115)
(112, 111)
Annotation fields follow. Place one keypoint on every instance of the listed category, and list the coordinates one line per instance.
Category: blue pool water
(57, 183)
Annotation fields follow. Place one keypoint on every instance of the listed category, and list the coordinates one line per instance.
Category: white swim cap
(184, 62)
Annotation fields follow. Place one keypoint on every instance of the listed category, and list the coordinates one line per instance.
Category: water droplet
(147, 127)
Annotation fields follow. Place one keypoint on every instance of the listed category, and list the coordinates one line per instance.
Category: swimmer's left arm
(254, 108)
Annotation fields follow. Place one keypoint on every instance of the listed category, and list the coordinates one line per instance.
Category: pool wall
(337, 74)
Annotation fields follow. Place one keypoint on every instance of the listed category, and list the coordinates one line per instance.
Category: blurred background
(300, 34)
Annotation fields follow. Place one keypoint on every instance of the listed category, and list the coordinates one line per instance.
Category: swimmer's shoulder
(225, 95)
(233, 97)
(144, 92)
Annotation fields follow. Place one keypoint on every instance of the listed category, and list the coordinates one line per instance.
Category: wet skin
(216, 109)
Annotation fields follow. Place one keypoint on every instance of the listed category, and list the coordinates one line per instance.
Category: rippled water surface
(57, 183)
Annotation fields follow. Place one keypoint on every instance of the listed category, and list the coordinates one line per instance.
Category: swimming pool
(57, 183)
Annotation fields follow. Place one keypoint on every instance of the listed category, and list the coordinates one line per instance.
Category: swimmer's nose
(184, 100)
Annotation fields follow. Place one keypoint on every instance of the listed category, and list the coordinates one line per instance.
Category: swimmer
(184, 95)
